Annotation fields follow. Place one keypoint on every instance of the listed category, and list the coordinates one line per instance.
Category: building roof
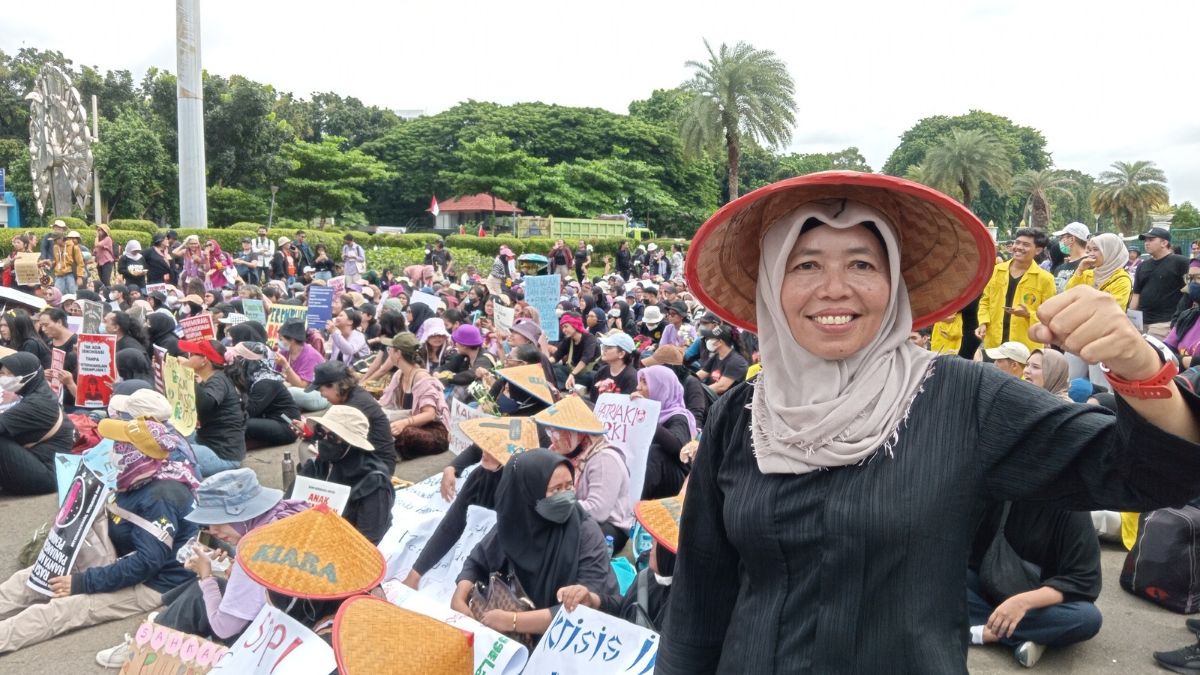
(479, 202)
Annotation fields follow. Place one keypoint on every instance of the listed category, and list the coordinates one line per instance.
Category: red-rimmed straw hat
(946, 254)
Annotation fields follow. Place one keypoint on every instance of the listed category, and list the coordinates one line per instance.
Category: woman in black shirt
(270, 408)
(665, 470)
(618, 372)
(18, 334)
(130, 334)
(31, 431)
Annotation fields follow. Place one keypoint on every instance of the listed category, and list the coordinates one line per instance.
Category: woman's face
(110, 324)
(560, 481)
(342, 320)
(568, 330)
(643, 387)
(611, 354)
(209, 298)
(835, 290)
(561, 441)
(489, 307)
(1094, 251)
(436, 341)
(1033, 370)
(225, 533)
(18, 245)
(592, 320)
(517, 340)
(5, 334)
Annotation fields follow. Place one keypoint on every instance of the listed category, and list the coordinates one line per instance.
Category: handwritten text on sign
(276, 644)
(629, 424)
(158, 649)
(587, 642)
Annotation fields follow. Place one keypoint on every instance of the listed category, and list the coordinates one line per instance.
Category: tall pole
(193, 200)
(95, 171)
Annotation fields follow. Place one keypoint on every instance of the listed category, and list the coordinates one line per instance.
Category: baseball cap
(1014, 351)
(1156, 233)
(1077, 230)
(718, 333)
(620, 340)
(210, 349)
(405, 342)
(328, 373)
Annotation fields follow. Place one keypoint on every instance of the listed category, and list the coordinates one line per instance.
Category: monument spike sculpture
(60, 144)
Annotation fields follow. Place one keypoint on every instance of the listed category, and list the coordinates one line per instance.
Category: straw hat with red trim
(661, 517)
(531, 379)
(503, 437)
(571, 414)
(314, 554)
(946, 254)
(430, 646)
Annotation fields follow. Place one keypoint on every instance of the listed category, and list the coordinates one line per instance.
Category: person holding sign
(220, 414)
(146, 528)
(31, 431)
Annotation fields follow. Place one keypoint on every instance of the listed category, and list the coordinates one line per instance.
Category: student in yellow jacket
(1011, 298)
(947, 335)
(1103, 268)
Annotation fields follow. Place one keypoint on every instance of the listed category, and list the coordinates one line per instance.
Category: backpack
(1163, 565)
(87, 433)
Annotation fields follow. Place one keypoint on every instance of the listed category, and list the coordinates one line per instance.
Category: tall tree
(738, 92)
(491, 164)
(325, 180)
(1128, 192)
(967, 159)
(137, 177)
(1036, 187)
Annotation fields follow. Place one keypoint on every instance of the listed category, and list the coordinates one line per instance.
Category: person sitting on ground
(345, 456)
(228, 506)
(552, 547)
(1010, 357)
(146, 529)
(297, 360)
(18, 334)
(601, 475)
(576, 353)
(391, 324)
(59, 336)
(161, 328)
(436, 350)
(645, 603)
(1054, 604)
(415, 401)
(130, 334)
(32, 430)
(270, 408)
(349, 344)
(618, 371)
(665, 470)
(469, 363)
(133, 364)
(1184, 336)
(338, 385)
(220, 416)
(695, 394)
(725, 367)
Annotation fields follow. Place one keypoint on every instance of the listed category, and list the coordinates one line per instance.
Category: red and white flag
(433, 206)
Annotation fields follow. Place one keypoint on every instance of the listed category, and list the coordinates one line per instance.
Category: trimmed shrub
(86, 235)
(147, 226)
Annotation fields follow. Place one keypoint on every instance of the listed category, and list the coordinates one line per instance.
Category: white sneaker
(1028, 653)
(115, 657)
(151, 617)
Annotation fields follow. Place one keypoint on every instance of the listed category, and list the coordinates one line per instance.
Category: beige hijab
(1115, 256)
(809, 413)
(1056, 373)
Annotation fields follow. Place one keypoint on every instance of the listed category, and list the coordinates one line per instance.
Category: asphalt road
(1132, 627)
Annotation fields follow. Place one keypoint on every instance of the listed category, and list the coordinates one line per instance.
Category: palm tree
(967, 158)
(1038, 186)
(738, 91)
(1129, 192)
(919, 173)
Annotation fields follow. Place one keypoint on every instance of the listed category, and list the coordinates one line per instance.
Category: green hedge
(86, 234)
(147, 226)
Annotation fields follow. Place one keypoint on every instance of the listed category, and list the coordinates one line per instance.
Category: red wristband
(1153, 387)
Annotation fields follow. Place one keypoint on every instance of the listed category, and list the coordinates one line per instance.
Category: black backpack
(1163, 565)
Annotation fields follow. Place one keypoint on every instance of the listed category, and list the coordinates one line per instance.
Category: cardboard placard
(179, 386)
(542, 293)
(199, 327)
(459, 413)
(93, 317)
(504, 317)
(156, 364)
(316, 492)
(97, 370)
(156, 288)
(157, 649)
(276, 644)
(25, 267)
(629, 424)
(281, 314)
(84, 501)
(320, 306)
(255, 310)
(587, 642)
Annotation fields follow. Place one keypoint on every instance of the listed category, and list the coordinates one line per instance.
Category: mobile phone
(206, 539)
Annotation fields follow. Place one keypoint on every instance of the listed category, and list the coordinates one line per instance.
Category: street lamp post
(271, 214)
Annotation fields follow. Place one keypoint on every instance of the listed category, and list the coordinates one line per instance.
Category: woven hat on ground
(571, 414)
(661, 517)
(531, 379)
(430, 646)
(946, 254)
(315, 554)
(503, 437)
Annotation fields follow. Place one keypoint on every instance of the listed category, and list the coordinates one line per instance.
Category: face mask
(1194, 291)
(185, 310)
(1062, 246)
(663, 581)
(14, 383)
(557, 509)
(112, 296)
(711, 344)
(331, 452)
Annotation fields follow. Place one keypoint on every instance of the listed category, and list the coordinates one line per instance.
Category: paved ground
(1132, 628)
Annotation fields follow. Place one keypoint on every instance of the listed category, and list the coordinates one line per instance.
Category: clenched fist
(1091, 325)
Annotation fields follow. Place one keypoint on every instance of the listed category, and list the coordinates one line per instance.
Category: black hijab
(247, 331)
(544, 555)
(162, 333)
(38, 410)
(420, 314)
(132, 364)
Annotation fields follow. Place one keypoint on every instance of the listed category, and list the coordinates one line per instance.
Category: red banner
(97, 370)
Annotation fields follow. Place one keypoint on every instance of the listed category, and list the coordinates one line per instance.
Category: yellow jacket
(1119, 285)
(1035, 287)
(68, 260)
(947, 336)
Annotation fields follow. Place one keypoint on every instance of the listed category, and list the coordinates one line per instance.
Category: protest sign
(420, 298)
(75, 323)
(157, 649)
(156, 288)
(316, 492)
(255, 310)
(57, 358)
(338, 284)
(83, 502)
(26, 269)
(179, 386)
(96, 458)
(542, 293)
(277, 644)
(97, 370)
(588, 642)
(320, 306)
(281, 314)
(93, 317)
(460, 412)
(629, 424)
(1135, 316)
(504, 317)
(495, 653)
(199, 327)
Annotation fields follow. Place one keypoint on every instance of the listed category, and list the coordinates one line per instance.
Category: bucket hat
(151, 438)
(232, 497)
(503, 437)
(571, 414)
(431, 647)
(531, 379)
(467, 335)
(652, 316)
(350, 424)
(946, 254)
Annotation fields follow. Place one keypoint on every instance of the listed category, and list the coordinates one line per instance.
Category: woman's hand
(199, 564)
(1086, 263)
(688, 452)
(413, 580)
(399, 426)
(1020, 310)
(570, 384)
(1086, 322)
(574, 596)
(449, 484)
(481, 372)
(61, 586)
(499, 620)
(1005, 618)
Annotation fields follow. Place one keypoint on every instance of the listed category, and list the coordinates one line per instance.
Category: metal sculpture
(60, 144)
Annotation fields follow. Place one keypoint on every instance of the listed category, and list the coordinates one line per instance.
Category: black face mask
(331, 450)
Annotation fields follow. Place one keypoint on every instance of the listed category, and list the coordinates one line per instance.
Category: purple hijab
(281, 510)
(665, 388)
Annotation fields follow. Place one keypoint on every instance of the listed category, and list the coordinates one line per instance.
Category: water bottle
(608, 542)
(289, 470)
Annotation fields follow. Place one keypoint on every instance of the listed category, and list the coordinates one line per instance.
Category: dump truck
(603, 227)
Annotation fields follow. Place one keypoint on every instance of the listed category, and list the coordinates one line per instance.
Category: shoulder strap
(49, 434)
(154, 530)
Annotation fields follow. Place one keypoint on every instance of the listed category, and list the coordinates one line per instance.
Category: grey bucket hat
(232, 497)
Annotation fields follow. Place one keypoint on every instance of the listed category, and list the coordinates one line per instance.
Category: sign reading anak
(157, 649)
(83, 502)
(629, 424)
(276, 644)
(317, 492)
(587, 642)
(543, 292)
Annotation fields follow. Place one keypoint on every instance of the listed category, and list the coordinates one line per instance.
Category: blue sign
(320, 306)
(542, 293)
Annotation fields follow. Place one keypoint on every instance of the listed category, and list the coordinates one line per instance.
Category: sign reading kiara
(305, 562)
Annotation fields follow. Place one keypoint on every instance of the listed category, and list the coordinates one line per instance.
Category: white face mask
(112, 296)
(186, 309)
(711, 344)
(14, 383)
(663, 581)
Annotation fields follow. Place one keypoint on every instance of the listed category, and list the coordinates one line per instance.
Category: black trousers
(185, 611)
(22, 472)
(106, 274)
(269, 432)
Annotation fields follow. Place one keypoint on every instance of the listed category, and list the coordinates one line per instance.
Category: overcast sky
(1103, 80)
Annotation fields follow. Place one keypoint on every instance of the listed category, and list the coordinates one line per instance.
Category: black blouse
(862, 568)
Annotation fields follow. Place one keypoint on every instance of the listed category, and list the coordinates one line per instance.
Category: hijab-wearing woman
(133, 364)
(1104, 268)
(665, 472)
(264, 394)
(417, 314)
(161, 328)
(1048, 369)
(31, 431)
(132, 265)
(216, 262)
(830, 514)
(1184, 337)
(551, 546)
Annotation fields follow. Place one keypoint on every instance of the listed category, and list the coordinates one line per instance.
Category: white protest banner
(504, 317)
(156, 288)
(158, 649)
(629, 424)
(542, 293)
(276, 644)
(495, 654)
(587, 642)
(199, 327)
(461, 412)
(316, 492)
(83, 502)
(420, 298)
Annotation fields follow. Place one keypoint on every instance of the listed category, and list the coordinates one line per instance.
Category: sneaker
(115, 657)
(151, 617)
(1029, 653)
(1194, 626)
(1186, 660)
